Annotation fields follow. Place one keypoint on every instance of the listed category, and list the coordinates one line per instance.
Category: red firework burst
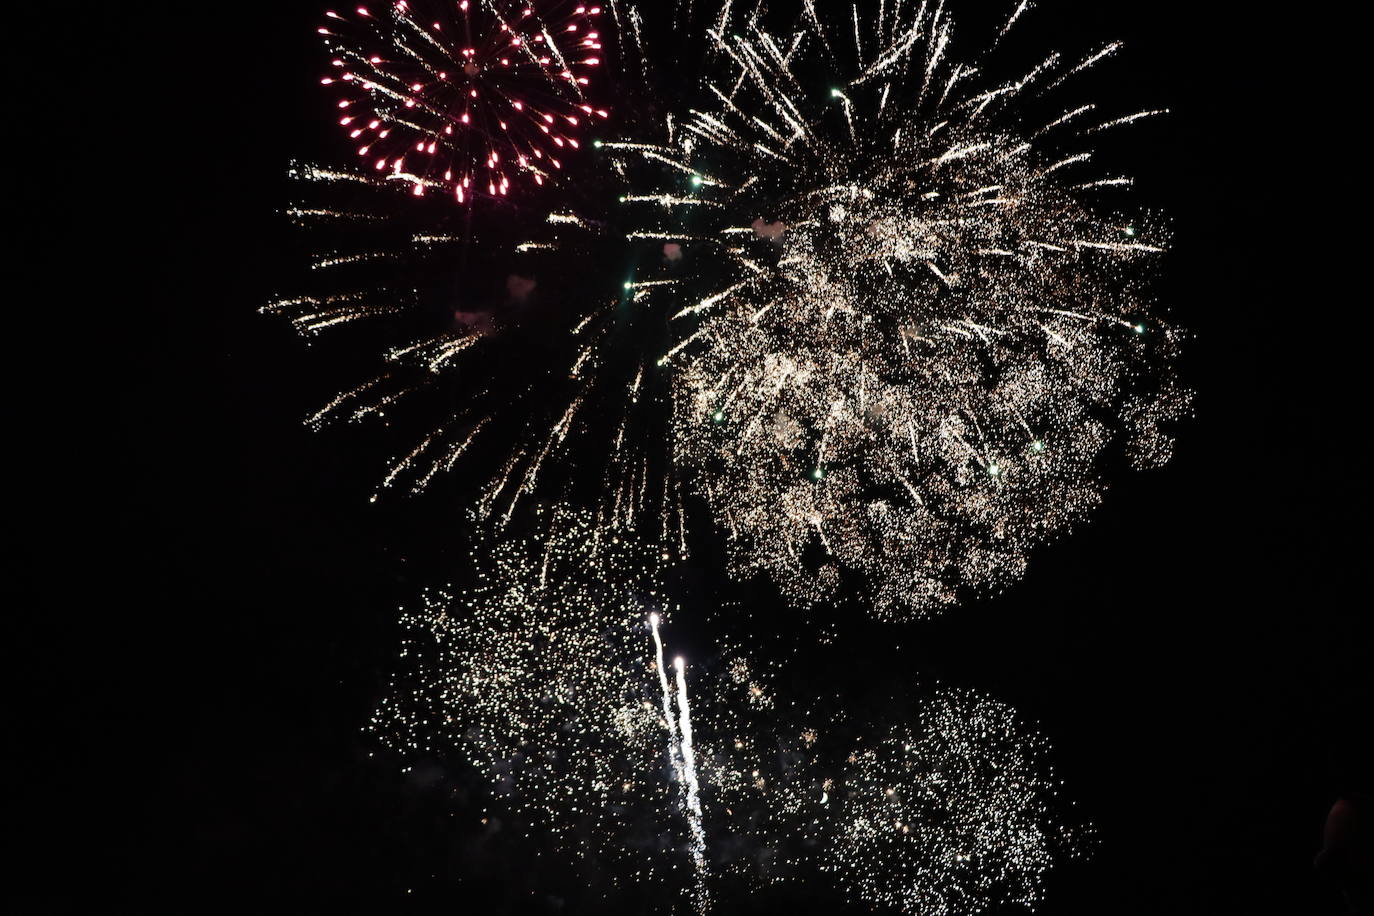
(465, 95)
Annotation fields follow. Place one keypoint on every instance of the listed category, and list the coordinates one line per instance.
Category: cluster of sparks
(539, 675)
(913, 337)
(950, 816)
(464, 95)
(550, 679)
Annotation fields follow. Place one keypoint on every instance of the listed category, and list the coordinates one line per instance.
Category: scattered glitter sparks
(951, 815)
(541, 678)
(877, 317)
(464, 96)
(547, 678)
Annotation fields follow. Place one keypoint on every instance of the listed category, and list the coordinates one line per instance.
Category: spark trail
(693, 787)
(674, 747)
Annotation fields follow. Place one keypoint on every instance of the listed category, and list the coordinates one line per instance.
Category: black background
(205, 600)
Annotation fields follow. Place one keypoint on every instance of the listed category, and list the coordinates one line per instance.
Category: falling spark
(693, 797)
(674, 747)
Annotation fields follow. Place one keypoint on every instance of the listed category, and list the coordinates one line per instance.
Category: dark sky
(206, 610)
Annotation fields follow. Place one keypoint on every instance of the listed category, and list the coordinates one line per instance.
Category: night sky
(206, 600)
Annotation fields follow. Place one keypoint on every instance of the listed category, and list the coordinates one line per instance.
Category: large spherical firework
(908, 333)
(467, 96)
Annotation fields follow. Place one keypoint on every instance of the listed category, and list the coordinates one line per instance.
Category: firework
(864, 303)
(905, 333)
(674, 743)
(519, 370)
(692, 786)
(766, 766)
(546, 679)
(949, 806)
(506, 357)
(540, 678)
(464, 96)
(499, 343)
(952, 815)
(852, 300)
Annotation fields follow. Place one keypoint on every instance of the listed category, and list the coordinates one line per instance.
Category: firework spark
(464, 96)
(906, 334)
